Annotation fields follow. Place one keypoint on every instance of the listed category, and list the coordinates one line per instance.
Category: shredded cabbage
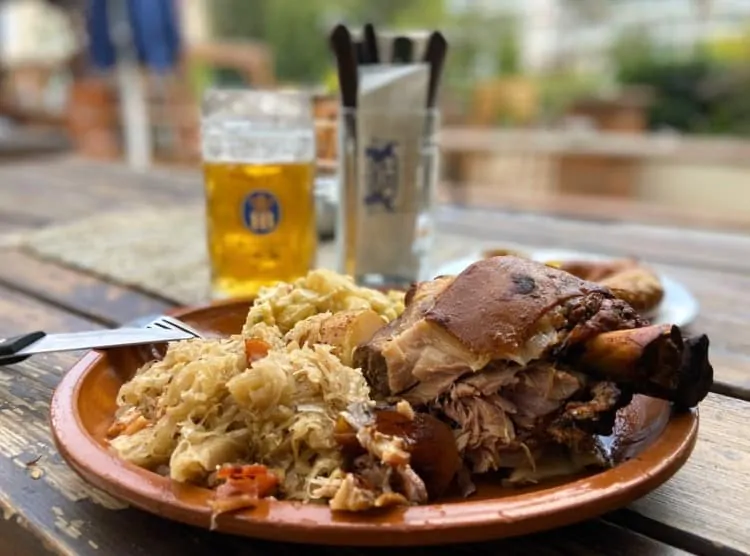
(202, 406)
(286, 304)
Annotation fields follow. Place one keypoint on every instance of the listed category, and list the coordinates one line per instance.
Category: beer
(259, 169)
(261, 224)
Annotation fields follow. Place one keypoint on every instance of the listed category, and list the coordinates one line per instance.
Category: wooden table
(704, 509)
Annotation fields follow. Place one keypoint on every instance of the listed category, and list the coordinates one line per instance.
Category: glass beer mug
(259, 168)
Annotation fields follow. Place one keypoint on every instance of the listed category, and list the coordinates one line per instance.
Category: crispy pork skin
(369, 356)
(496, 305)
(503, 308)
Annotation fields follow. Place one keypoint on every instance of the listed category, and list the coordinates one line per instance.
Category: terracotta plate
(651, 444)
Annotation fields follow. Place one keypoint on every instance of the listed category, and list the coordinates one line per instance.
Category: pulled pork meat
(504, 426)
(393, 456)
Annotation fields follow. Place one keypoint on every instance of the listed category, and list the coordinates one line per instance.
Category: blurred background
(544, 101)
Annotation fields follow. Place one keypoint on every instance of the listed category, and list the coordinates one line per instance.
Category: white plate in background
(678, 306)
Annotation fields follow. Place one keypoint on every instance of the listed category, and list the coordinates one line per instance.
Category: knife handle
(10, 346)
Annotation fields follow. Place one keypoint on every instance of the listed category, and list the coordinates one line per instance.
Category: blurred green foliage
(482, 46)
(694, 91)
(508, 47)
(396, 14)
(559, 89)
(706, 90)
(485, 44)
(297, 30)
(729, 49)
(291, 27)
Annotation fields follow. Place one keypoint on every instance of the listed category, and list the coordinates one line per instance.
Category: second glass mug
(259, 167)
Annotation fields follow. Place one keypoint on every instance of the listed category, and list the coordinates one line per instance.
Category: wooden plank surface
(658, 244)
(73, 187)
(705, 505)
(570, 205)
(47, 507)
(700, 260)
(76, 292)
(700, 510)
(66, 189)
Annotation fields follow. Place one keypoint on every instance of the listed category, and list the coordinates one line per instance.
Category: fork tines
(170, 323)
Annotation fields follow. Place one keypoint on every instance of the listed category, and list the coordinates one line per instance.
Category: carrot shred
(255, 349)
(255, 480)
(134, 423)
(244, 486)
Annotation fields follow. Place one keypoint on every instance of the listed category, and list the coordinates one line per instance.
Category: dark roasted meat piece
(517, 355)
(393, 450)
(499, 309)
(655, 360)
(369, 357)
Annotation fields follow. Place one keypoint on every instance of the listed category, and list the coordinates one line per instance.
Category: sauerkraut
(286, 304)
(178, 398)
(291, 400)
(208, 402)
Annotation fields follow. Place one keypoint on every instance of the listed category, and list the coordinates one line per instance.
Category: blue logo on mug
(261, 212)
(381, 175)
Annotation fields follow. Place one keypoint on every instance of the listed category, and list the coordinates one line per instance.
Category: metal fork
(171, 323)
(149, 352)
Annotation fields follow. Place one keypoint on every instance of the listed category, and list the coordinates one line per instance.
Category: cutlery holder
(388, 172)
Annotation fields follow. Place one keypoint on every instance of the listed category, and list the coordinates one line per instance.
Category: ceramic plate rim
(470, 520)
